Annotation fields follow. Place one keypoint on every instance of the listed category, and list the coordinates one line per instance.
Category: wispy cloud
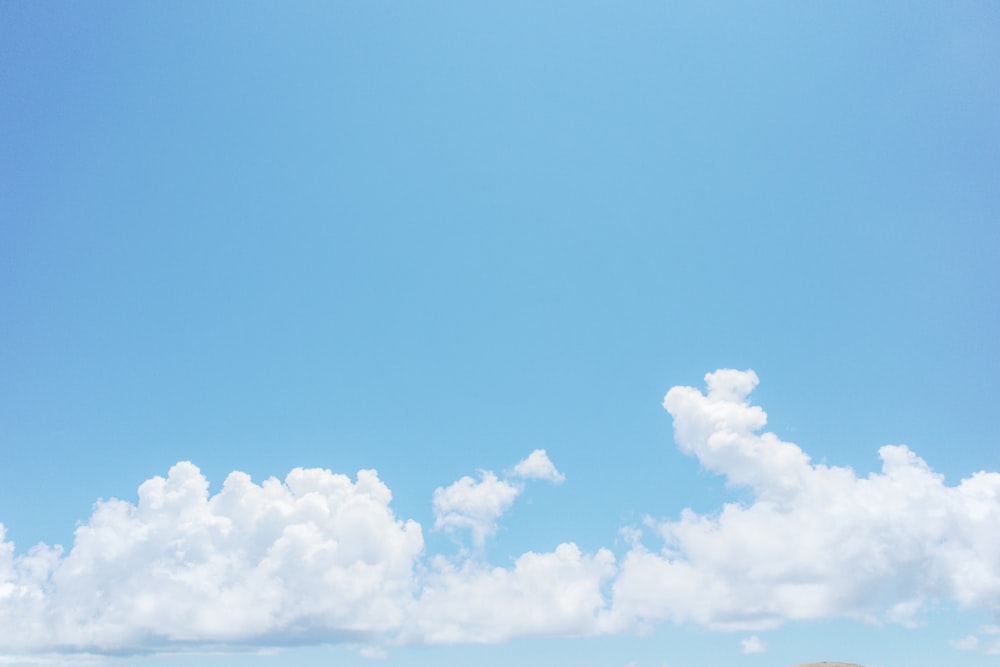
(753, 644)
(969, 643)
(554, 593)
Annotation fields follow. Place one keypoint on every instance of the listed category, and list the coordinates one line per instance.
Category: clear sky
(472, 246)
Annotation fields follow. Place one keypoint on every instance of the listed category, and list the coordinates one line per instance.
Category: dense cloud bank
(322, 557)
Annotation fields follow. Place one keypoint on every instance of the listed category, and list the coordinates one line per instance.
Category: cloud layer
(321, 557)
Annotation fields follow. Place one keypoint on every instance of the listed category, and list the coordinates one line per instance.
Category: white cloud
(972, 642)
(373, 652)
(52, 660)
(474, 505)
(477, 505)
(969, 643)
(320, 557)
(538, 466)
(316, 558)
(753, 644)
(816, 541)
(556, 593)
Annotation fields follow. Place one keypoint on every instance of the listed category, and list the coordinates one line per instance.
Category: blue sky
(431, 239)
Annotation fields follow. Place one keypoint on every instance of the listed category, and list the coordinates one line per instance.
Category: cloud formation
(555, 593)
(753, 644)
(538, 466)
(316, 556)
(477, 505)
(474, 505)
(321, 557)
(989, 644)
(817, 541)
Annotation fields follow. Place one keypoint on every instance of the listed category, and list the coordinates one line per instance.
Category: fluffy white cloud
(753, 644)
(557, 593)
(474, 505)
(477, 505)
(816, 541)
(319, 557)
(538, 466)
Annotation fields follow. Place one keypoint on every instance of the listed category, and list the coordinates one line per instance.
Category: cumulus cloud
(474, 505)
(753, 644)
(816, 541)
(318, 557)
(322, 557)
(556, 593)
(538, 466)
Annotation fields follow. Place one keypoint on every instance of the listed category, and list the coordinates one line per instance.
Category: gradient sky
(432, 238)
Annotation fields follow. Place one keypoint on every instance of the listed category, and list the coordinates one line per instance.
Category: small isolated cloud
(474, 505)
(970, 643)
(373, 652)
(538, 466)
(753, 644)
(905, 613)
